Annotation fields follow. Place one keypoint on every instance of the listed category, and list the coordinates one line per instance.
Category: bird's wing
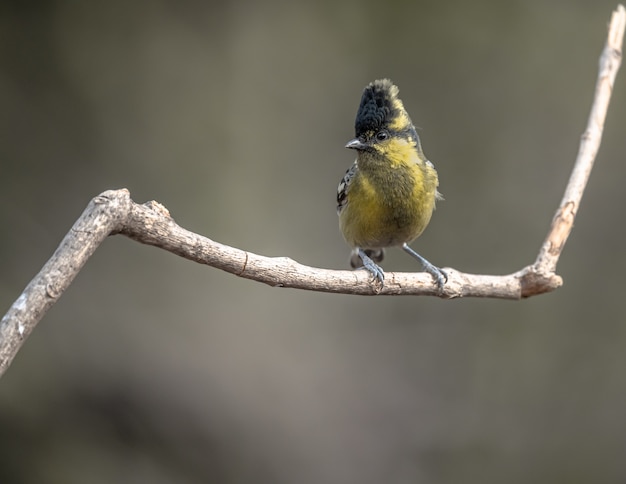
(344, 186)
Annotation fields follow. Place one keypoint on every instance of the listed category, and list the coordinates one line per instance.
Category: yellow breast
(390, 201)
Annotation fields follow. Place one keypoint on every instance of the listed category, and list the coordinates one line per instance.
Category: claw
(374, 269)
(439, 275)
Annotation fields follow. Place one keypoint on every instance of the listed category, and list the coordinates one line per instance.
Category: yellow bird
(387, 196)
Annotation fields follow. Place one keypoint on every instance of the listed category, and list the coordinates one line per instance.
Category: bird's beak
(356, 144)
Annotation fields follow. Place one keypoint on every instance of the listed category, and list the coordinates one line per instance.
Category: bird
(387, 197)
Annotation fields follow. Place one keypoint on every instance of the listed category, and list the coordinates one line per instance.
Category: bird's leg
(372, 267)
(439, 275)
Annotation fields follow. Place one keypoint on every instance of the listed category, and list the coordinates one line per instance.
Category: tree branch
(113, 212)
(563, 221)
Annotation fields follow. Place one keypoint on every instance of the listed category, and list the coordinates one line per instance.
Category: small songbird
(387, 196)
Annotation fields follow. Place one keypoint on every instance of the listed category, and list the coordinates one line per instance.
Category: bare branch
(589, 145)
(155, 227)
(101, 218)
(113, 212)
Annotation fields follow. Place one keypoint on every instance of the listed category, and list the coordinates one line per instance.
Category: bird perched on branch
(387, 196)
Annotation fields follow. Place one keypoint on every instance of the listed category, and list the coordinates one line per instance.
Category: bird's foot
(439, 275)
(377, 272)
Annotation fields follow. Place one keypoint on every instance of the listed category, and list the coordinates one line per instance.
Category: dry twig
(113, 212)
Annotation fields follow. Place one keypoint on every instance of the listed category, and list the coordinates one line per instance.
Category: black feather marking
(377, 107)
(344, 184)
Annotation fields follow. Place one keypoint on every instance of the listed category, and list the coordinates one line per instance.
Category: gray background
(152, 369)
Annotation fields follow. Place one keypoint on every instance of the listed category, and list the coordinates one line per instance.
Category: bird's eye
(382, 135)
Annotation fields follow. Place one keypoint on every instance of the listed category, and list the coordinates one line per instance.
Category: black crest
(377, 106)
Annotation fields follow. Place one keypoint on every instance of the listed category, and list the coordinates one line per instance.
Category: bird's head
(382, 125)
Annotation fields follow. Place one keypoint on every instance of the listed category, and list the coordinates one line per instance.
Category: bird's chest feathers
(395, 204)
(393, 194)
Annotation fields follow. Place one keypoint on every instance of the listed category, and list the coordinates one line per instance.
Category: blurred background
(152, 369)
